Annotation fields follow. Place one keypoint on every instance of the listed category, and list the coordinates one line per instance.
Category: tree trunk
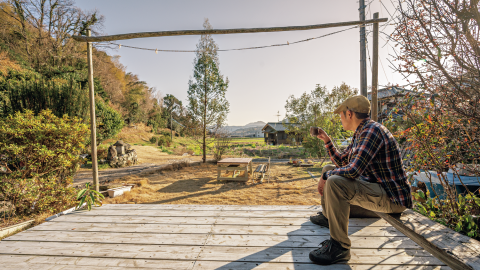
(205, 118)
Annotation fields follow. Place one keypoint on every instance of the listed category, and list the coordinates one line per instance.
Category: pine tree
(206, 92)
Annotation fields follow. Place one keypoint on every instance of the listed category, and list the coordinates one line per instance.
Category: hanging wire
(237, 49)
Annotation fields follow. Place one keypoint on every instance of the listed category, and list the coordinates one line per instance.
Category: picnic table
(234, 164)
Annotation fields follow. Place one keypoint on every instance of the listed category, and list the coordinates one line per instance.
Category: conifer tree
(206, 91)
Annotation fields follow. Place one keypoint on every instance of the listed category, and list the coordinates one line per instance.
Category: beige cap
(358, 104)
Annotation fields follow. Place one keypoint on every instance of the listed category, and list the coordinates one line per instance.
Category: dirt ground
(198, 185)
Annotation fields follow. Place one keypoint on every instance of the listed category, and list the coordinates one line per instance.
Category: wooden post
(93, 123)
(375, 70)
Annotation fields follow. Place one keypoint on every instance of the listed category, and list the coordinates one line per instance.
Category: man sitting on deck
(369, 174)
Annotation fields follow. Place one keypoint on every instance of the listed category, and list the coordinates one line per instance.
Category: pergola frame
(89, 39)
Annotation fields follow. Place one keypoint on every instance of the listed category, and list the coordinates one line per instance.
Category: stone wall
(116, 159)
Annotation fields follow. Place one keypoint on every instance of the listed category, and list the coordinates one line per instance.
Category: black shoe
(330, 252)
(319, 219)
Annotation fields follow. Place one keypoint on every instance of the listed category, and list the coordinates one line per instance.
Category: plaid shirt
(373, 156)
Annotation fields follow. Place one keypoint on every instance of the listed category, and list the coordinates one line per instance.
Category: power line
(237, 49)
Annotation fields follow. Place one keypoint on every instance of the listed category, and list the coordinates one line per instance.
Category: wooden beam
(455, 250)
(221, 31)
(375, 70)
(93, 124)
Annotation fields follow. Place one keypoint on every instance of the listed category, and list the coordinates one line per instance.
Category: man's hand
(321, 185)
(322, 135)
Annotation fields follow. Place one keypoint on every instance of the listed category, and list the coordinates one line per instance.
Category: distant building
(388, 99)
(275, 133)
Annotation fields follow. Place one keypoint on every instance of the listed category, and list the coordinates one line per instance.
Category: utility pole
(363, 51)
(375, 70)
(93, 125)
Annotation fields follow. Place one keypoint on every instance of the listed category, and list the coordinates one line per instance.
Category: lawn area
(198, 185)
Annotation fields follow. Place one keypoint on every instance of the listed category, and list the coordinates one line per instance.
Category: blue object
(471, 182)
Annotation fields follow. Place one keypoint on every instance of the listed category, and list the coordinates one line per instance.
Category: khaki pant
(340, 192)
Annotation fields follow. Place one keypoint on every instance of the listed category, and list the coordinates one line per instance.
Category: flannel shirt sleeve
(339, 159)
(368, 145)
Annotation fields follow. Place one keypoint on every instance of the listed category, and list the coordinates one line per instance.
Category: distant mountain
(249, 125)
(256, 124)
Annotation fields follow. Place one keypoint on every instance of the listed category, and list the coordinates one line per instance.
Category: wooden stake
(93, 123)
(375, 70)
(221, 31)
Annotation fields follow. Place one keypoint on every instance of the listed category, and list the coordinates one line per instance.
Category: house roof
(389, 92)
(277, 126)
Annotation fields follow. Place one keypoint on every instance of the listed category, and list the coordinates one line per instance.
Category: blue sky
(260, 80)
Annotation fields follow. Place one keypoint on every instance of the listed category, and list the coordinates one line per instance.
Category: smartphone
(314, 131)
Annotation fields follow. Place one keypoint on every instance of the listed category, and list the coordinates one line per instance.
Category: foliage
(439, 57)
(109, 121)
(220, 147)
(206, 93)
(439, 52)
(316, 109)
(162, 140)
(29, 91)
(461, 221)
(36, 35)
(41, 156)
(89, 196)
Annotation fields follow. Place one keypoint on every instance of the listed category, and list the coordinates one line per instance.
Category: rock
(128, 159)
(112, 152)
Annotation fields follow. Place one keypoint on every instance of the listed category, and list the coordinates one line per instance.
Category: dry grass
(198, 185)
(137, 133)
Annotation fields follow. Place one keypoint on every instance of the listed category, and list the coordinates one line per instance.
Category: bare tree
(440, 51)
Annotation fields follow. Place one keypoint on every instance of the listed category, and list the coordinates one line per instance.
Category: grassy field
(239, 147)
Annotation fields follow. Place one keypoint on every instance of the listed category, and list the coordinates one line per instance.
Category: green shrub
(164, 141)
(41, 156)
(109, 123)
(153, 139)
(165, 133)
(27, 90)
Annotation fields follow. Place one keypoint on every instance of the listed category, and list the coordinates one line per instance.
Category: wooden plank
(63, 262)
(235, 161)
(438, 240)
(222, 31)
(122, 227)
(217, 229)
(163, 252)
(204, 265)
(300, 255)
(207, 220)
(314, 208)
(110, 238)
(187, 213)
(248, 254)
(186, 239)
(307, 241)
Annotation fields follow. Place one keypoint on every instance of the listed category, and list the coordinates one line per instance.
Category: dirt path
(149, 159)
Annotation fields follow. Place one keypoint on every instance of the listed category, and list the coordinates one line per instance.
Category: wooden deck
(203, 237)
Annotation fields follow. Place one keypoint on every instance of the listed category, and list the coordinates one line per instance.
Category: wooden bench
(262, 169)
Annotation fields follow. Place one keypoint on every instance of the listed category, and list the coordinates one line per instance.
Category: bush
(164, 141)
(41, 157)
(153, 139)
(109, 123)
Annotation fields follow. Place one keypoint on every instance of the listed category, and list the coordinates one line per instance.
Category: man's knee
(328, 167)
(336, 182)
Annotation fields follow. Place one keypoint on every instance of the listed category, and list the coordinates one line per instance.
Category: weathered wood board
(203, 237)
